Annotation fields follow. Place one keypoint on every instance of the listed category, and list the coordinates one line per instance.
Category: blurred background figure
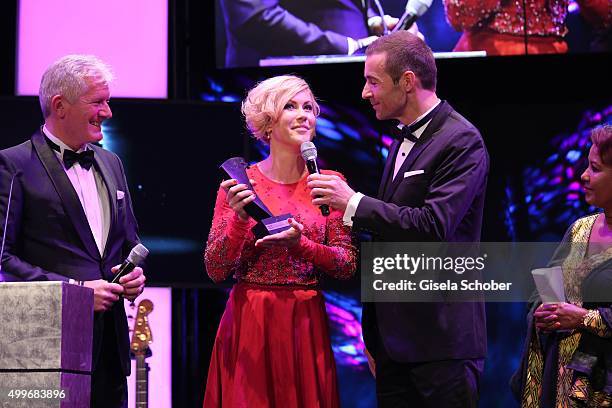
(267, 28)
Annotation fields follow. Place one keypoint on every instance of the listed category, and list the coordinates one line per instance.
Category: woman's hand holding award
(267, 223)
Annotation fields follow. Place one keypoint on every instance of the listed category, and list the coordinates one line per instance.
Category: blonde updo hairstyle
(264, 103)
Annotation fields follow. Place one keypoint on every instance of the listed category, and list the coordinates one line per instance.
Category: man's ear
(408, 81)
(58, 106)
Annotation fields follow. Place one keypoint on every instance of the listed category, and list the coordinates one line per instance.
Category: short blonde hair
(264, 103)
(68, 77)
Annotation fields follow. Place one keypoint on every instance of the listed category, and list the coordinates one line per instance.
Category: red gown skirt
(272, 350)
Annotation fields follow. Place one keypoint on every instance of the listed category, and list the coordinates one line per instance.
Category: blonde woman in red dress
(273, 345)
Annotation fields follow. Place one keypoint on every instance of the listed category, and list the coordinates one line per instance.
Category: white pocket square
(120, 195)
(413, 173)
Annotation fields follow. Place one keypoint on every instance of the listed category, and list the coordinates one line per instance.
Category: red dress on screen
(273, 345)
(498, 26)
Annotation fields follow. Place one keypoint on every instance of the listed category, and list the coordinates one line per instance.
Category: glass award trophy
(267, 223)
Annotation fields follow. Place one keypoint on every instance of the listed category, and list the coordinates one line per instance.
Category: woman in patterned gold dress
(568, 355)
(273, 346)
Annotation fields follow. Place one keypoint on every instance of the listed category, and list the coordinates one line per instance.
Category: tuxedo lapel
(111, 188)
(387, 173)
(424, 141)
(416, 151)
(66, 191)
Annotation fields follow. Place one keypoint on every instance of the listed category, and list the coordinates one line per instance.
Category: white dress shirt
(402, 153)
(91, 190)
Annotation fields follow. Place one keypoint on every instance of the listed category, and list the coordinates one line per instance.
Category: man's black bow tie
(407, 132)
(85, 158)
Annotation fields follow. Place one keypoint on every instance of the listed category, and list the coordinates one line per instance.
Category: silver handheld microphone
(136, 256)
(414, 10)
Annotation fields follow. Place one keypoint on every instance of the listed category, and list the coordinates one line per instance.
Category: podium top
(34, 284)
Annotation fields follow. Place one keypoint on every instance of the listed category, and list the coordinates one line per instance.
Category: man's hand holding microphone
(128, 282)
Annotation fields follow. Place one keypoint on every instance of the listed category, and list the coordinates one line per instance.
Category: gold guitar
(141, 338)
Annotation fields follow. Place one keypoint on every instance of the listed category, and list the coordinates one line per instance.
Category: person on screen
(498, 26)
(272, 28)
(71, 216)
(273, 342)
(567, 360)
(432, 190)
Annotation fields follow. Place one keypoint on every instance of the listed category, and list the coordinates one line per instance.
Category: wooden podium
(46, 331)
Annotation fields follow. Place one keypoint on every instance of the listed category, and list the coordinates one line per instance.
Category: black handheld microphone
(414, 10)
(309, 154)
(136, 256)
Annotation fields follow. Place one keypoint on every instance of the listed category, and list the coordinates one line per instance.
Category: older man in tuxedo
(71, 216)
(432, 189)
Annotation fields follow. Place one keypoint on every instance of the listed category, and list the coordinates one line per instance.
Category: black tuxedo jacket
(48, 236)
(444, 203)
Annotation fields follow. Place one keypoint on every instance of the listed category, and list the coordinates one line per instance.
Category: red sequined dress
(273, 346)
(498, 26)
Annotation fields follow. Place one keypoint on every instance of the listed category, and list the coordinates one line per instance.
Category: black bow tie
(85, 158)
(407, 132)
